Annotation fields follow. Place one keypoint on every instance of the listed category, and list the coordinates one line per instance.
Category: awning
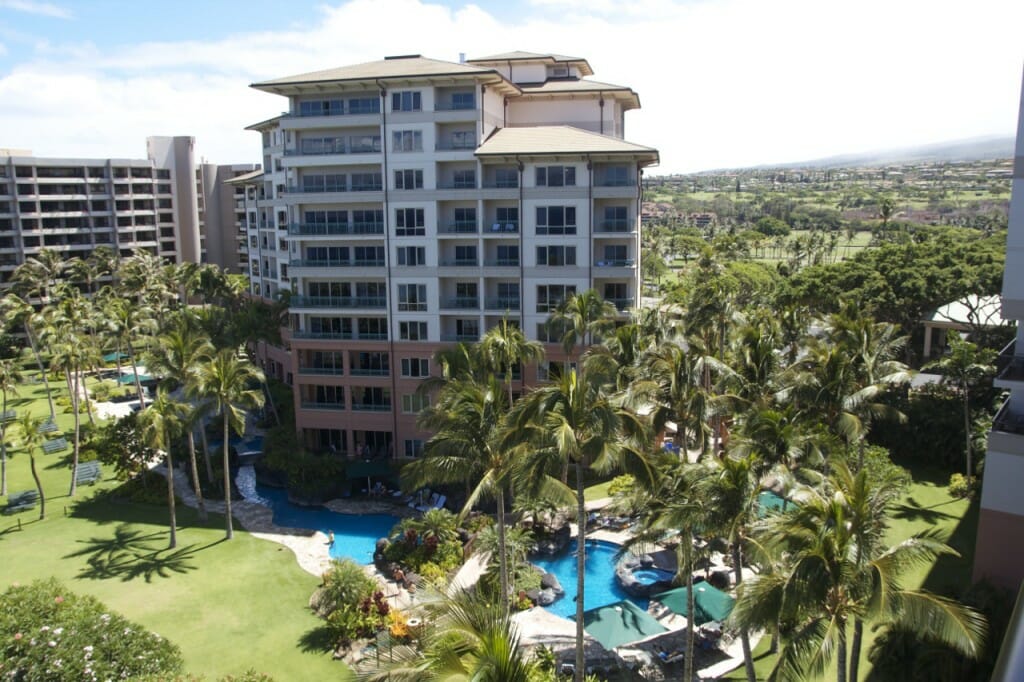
(130, 378)
(621, 623)
(367, 468)
(709, 603)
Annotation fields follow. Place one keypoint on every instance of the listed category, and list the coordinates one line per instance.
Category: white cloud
(45, 9)
(725, 83)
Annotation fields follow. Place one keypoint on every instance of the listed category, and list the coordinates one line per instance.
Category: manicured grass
(597, 492)
(230, 606)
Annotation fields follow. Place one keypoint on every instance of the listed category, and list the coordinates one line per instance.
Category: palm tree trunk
(858, 635)
(135, 371)
(227, 478)
(85, 397)
(581, 557)
(690, 635)
(841, 654)
(206, 453)
(195, 476)
(967, 433)
(3, 451)
(73, 390)
(42, 371)
(173, 541)
(748, 659)
(502, 551)
(39, 486)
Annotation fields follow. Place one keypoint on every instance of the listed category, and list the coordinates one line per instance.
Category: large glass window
(412, 331)
(550, 296)
(412, 297)
(324, 107)
(408, 179)
(414, 403)
(409, 222)
(463, 100)
(407, 141)
(364, 105)
(556, 255)
(367, 182)
(508, 254)
(415, 367)
(412, 255)
(556, 220)
(556, 176)
(407, 100)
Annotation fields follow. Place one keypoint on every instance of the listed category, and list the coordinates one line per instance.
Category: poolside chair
(440, 502)
(430, 503)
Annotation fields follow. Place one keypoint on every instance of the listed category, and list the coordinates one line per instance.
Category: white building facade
(411, 203)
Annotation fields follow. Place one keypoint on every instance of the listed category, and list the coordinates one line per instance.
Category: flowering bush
(48, 633)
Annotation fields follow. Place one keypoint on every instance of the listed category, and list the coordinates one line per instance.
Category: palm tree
(581, 317)
(505, 347)
(128, 320)
(159, 424)
(41, 273)
(835, 570)
(574, 420)
(966, 365)
(16, 308)
(468, 446)
(10, 377)
(31, 440)
(226, 382)
(177, 356)
(464, 638)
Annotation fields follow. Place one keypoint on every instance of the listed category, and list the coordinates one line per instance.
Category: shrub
(621, 484)
(345, 583)
(959, 486)
(49, 633)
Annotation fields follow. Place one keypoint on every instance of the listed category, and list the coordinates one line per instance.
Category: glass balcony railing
(326, 371)
(612, 181)
(302, 334)
(465, 337)
(458, 227)
(507, 227)
(371, 407)
(460, 262)
(622, 303)
(339, 302)
(328, 263)
(313, 229)
(314, 405)
(502, 303)
(369, 372)
(505, 183)
(501, 262)
(616, 225)
(457, 184)
(462, 303)
(615, 263)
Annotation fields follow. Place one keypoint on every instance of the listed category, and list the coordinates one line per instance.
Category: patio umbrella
(708, 602)
(366, 469)
(620, 623)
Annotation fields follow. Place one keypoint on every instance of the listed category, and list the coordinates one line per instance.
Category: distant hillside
(973, 149)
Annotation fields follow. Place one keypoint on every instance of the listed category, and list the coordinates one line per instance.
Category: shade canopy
(130, 378)
(367, 468)
(709, 603)
(620, 623)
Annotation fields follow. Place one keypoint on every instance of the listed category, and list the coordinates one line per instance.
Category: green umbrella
(709, 603)
(621, 623)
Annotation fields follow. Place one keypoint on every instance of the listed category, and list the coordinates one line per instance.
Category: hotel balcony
(311, 405)
(460, 303)
(1009, 368)
(616, 227)
(336, 229)
(339, 302)
(502, 303)
(459, 262)
(622, 304)
(458, 227)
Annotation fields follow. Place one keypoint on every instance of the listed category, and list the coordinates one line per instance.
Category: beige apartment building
(154, 204)
(410, 203)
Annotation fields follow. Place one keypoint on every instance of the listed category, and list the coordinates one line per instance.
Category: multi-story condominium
(221, 209)
(76, 205)
(410, 203)
(999, 554)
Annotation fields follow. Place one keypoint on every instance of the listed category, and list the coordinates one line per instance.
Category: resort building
(999, 553)
(154, 204)
(410, 203)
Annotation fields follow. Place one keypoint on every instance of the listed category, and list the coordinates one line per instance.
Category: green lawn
(230, 606)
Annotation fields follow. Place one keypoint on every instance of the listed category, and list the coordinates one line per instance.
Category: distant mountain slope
(973, 149)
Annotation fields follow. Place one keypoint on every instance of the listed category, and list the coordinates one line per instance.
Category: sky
(722, 83)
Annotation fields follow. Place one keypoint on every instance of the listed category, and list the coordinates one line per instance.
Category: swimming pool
(355, 535)
(600, 586)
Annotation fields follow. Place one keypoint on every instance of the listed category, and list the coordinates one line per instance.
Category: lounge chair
(429, 505)
(440, 502)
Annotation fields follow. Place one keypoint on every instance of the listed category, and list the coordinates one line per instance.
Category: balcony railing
(369, 372)
(615, 225)
(510, 228)
(313, 405)
(458, 227)
(301, 334)
(512, 183)
(460, 262)
(501, 262)
(326, 371)
(502, 303)
(462, 303)
(339, 147)
(455, 145)
(469, 338)
(615, 263)
(371, 407)
(313, 229)
(622, 303)
(339, 302)
(329, 263)
(457, 184)
(614, 182)
(450, 105)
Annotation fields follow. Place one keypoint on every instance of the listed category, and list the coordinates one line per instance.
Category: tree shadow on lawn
(317, 640)
(130, 553)
(915, 511)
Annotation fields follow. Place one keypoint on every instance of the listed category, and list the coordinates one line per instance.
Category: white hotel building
(410, 203)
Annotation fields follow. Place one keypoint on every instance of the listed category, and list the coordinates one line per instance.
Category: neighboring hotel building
(999, 553)
(410, 203)
(76, 205)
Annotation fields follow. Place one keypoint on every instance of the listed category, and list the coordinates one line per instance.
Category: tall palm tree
(15, 308)
(226, 381)
(835, 570)
(505, 347)
(39, 274)
(966, 365)
(575, 420)
(581, 317)
(159, 424)
(10, 377)
(32, 440)
(128, 321)
(177, 356)
(469, 446)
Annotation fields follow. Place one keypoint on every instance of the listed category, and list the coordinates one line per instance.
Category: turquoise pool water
(599, 584)
(355, 535)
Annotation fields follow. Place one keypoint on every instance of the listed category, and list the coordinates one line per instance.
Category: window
(408, 179)
(363, 144)
(556, 255)
(508, 254)
(616, 176)
(412, 297)
(506, 177)
(463, 139)
(325, 217)
(556, 220)
(409, 222)
(367, 182)
(407, 100)
(412, 255)
(327, 107)
(413, 448)
(367, 221)
(616, 293)
(407, 141)
(412, 331)
(550, 296)
(364, 105)
(375, 328)
(332, 182)
(465, 219)
(328, 289)
(507, 216)
(327, 254)
(414, 403)
(616, 218)
(372, 290)
(368, 255)
(556, 176)
(615, 254)
(464, 179)
(463, 100)
(323, 145)
(415, 367)
(465, 255)
(508, 295)
(284, 272)
(329, 395)
(467, 330)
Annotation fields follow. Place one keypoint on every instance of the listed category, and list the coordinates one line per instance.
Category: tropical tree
(581, 317)
(835, 570)
(39, 274)
(31, 440)
(505, 347)
(575, 420)
(10, 377)
(160, 423)
(226, 382)
(16, 309)
(129, 320)
(967, 366)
